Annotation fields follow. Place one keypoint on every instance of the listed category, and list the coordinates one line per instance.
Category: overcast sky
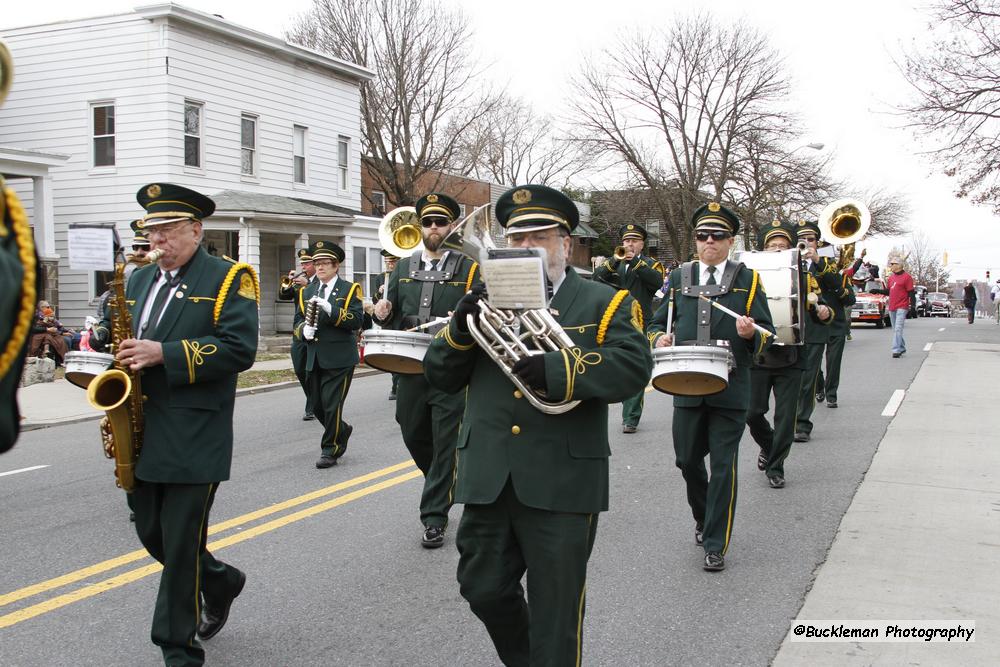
(839, 57)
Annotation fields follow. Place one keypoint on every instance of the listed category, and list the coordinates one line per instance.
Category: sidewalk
(921, 539)
(60, 402)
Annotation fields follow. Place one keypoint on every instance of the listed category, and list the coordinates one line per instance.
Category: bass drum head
(394, 363)
(690, 383)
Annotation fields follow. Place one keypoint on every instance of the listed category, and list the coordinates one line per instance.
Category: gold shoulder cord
(220, 299)
(26, 253)
(616, 301)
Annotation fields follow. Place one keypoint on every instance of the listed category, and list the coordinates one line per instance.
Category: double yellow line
(128, 577)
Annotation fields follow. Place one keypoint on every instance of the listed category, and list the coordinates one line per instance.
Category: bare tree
(670, 105)
(889, 210)
(923, 262)
(425, 93)
(956, 81)
(511, 144)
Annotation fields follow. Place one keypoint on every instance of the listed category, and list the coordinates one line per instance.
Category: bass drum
(780, 275)
(396, 351)
(692, 370)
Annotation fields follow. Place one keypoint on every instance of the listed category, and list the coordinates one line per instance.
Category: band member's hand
(823, 312)
(864, 252)
(301, 280)
(368, 308)
(744, 327)
(383, 308)
(308, 332)
(666, 340)
(323, 305)
(139, 354)
(810, 253)
(532, 371)
(469, 305)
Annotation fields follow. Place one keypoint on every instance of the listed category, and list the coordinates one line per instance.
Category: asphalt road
(336, 574)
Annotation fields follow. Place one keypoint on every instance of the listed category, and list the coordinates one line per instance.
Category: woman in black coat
(969, 299)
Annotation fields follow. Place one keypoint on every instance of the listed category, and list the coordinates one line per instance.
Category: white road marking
(941, 329)
(14, 472)
(894, 402)
(927, 348)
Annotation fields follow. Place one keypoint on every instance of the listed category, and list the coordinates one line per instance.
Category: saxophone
(118, 391)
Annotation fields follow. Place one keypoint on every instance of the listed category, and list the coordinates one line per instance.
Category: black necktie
(711, 276)
(159, 301)
(322, 291)
(434, 265)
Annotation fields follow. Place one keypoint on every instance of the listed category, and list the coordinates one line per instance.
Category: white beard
(556, 267)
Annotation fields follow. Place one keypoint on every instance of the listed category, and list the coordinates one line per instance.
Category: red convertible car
(872, 302)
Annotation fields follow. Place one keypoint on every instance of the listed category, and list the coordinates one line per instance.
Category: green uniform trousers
(812, 356)
(497, 543)
(632, 408)
(329, 387)
(777, 441)
(299, 366)
(172, 523)
(834, 356)
(715, 432)
(429, 421)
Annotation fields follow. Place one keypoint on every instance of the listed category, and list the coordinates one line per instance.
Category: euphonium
(507, 336)
(118, 391)
(844, 223)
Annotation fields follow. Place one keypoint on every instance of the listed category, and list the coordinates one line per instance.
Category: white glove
(323, 304)
(308, 332)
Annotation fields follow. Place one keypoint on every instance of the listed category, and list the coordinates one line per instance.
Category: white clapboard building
(269, 130)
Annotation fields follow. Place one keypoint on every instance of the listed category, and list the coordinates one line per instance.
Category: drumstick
(670, 317)
(734, 315)
(426, 325)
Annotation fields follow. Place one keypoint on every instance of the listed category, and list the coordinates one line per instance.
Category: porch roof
(239, 202)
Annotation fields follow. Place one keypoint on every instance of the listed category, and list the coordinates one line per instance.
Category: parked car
(940, 305)
(921, 305)
(871, 304)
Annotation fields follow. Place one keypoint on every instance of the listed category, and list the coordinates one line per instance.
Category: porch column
(43, 217)
(249, 245)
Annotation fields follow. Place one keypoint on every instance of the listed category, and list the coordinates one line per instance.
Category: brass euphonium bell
(6, 71)
(399, 232)
(844, 223)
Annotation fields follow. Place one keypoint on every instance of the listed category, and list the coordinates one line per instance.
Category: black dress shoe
(213, 618)
(776, 481)
(628, 428)
(762, 459)
(699, 530)
(433, 537)
(820, 396)
(326, 462)
(831, 404)
(308, 417)
(896, 355)
(801, 436)
(714, 562)
(392, 396)
(131, 517)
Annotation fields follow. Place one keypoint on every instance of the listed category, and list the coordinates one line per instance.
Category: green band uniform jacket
(644, 276)
(335, 344)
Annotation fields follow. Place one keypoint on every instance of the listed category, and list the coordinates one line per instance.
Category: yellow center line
(139, 554)
(140, 572)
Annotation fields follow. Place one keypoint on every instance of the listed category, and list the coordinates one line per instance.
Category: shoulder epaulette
(254, 284)
(616, 301)
(26, 253)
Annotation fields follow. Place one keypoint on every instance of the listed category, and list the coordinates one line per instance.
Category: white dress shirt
(719, 270)
(165, 277)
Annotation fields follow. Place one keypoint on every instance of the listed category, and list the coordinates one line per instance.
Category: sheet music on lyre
(515, 280)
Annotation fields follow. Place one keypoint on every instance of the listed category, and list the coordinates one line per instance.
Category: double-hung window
(103, 114)
(248, 145)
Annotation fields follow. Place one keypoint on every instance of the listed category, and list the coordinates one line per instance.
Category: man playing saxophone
(195, 328)
(533, 482)
(641, 275)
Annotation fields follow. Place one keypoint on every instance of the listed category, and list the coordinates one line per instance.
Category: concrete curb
(360, 371)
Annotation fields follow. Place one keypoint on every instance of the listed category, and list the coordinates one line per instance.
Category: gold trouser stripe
(146, 570)
(340, 411)
(139, 554)
(732, 501)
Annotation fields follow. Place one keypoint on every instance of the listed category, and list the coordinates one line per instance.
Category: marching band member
(195, 320)
(779, 369)
(291, 289)
(533, 483)
(642, 276)
(381, 284)
(713, 425)
(839, 297)
(424, 286)
(331, 346)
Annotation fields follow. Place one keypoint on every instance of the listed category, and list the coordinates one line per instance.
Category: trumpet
(286, 282)
(619, 253)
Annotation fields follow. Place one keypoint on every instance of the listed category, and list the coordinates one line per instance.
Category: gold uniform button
(518, 394)
(515, 429)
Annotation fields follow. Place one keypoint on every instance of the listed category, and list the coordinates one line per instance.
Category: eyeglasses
(320, 263)
(434, 222)
(140, 247)
(165, 230)
(717, 235)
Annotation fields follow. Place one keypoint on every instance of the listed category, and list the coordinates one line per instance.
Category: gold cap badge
(432, 199)
(714, 207)
(154, 190)
(631, 227)
(319, 244)
(521, 196)
(776, 224)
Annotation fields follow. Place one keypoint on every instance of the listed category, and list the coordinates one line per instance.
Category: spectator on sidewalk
(900, 285)
(969, 299)
(49, 336)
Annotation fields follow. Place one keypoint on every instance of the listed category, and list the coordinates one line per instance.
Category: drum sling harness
(691, 288)
(442, 274)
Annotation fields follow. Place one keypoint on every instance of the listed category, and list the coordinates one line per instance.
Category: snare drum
(396, 351)
(692, 370)
(82, 367)
(779, 273)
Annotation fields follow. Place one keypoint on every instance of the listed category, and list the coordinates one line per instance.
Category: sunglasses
(434, 222)
(717, 235)
(140, 247)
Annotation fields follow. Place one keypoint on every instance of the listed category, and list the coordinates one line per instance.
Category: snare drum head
(690, 383)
